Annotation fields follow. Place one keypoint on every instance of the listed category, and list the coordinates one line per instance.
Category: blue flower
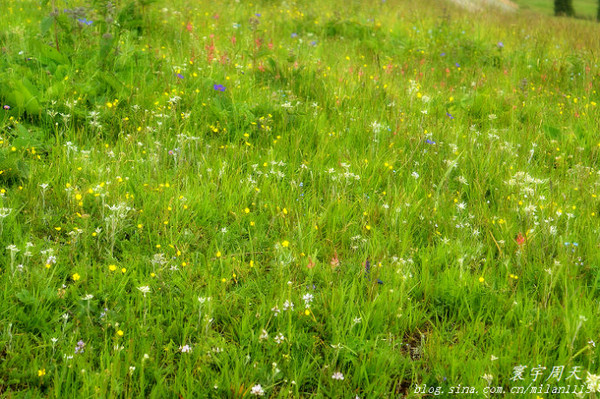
(429, 141)
(219, 87)
(85, 21)
(180, 76)
(294, 35)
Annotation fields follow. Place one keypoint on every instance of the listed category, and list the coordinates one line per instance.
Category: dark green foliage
(564, 8)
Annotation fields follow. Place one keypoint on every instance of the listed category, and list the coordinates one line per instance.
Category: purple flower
(313, 43)
(429, 141)
(367, 266)
(457, 65)
(258, 15)
(85, 21)
(180, 76)
(443, 55)
(6, 107)
(219, 87)
(294, 35)
(500, 44)
(449, 116)
(80, 346)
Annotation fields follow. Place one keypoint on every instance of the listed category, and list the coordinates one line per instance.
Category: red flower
(520, 239)
(335, 261)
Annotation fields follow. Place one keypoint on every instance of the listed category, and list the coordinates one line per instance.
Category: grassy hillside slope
(296, 199)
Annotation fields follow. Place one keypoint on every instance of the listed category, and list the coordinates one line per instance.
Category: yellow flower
(112, 268)
(76, 276)
(123, 270)
(481, 279)
(41, 372)
(218, 254)
(247, 210)
(307, 312)
(120, 333)
(285, 244)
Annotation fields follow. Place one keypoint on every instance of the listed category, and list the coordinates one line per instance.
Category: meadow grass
(295, 199)
(583, 8)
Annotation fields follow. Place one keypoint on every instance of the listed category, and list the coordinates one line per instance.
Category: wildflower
(263, 335)
(120, 333)
(185, 349)
(500, 45)
(6, 107)
(41, 372)
(334, 260)
(593, 382)
(257, 390)
(279, 338)
(288, 305)
(144, 289)
(80, 347)
(307, 298)
(219, 87)
(338, 376)
(520, 239)
(75, 276)
(488, 378)
(481, 279)
(85, 21)
(285, 244)
(180, 76)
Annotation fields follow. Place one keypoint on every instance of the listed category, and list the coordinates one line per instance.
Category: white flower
(257, 390)
(288, 305)
(338, 376)
(87, 297)
(185, 348)
(144, 289)
(593, 382)
(263, 335)
(415, 175)
(279, 338)
(488, 378)
(307, 298)
(275, 310)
